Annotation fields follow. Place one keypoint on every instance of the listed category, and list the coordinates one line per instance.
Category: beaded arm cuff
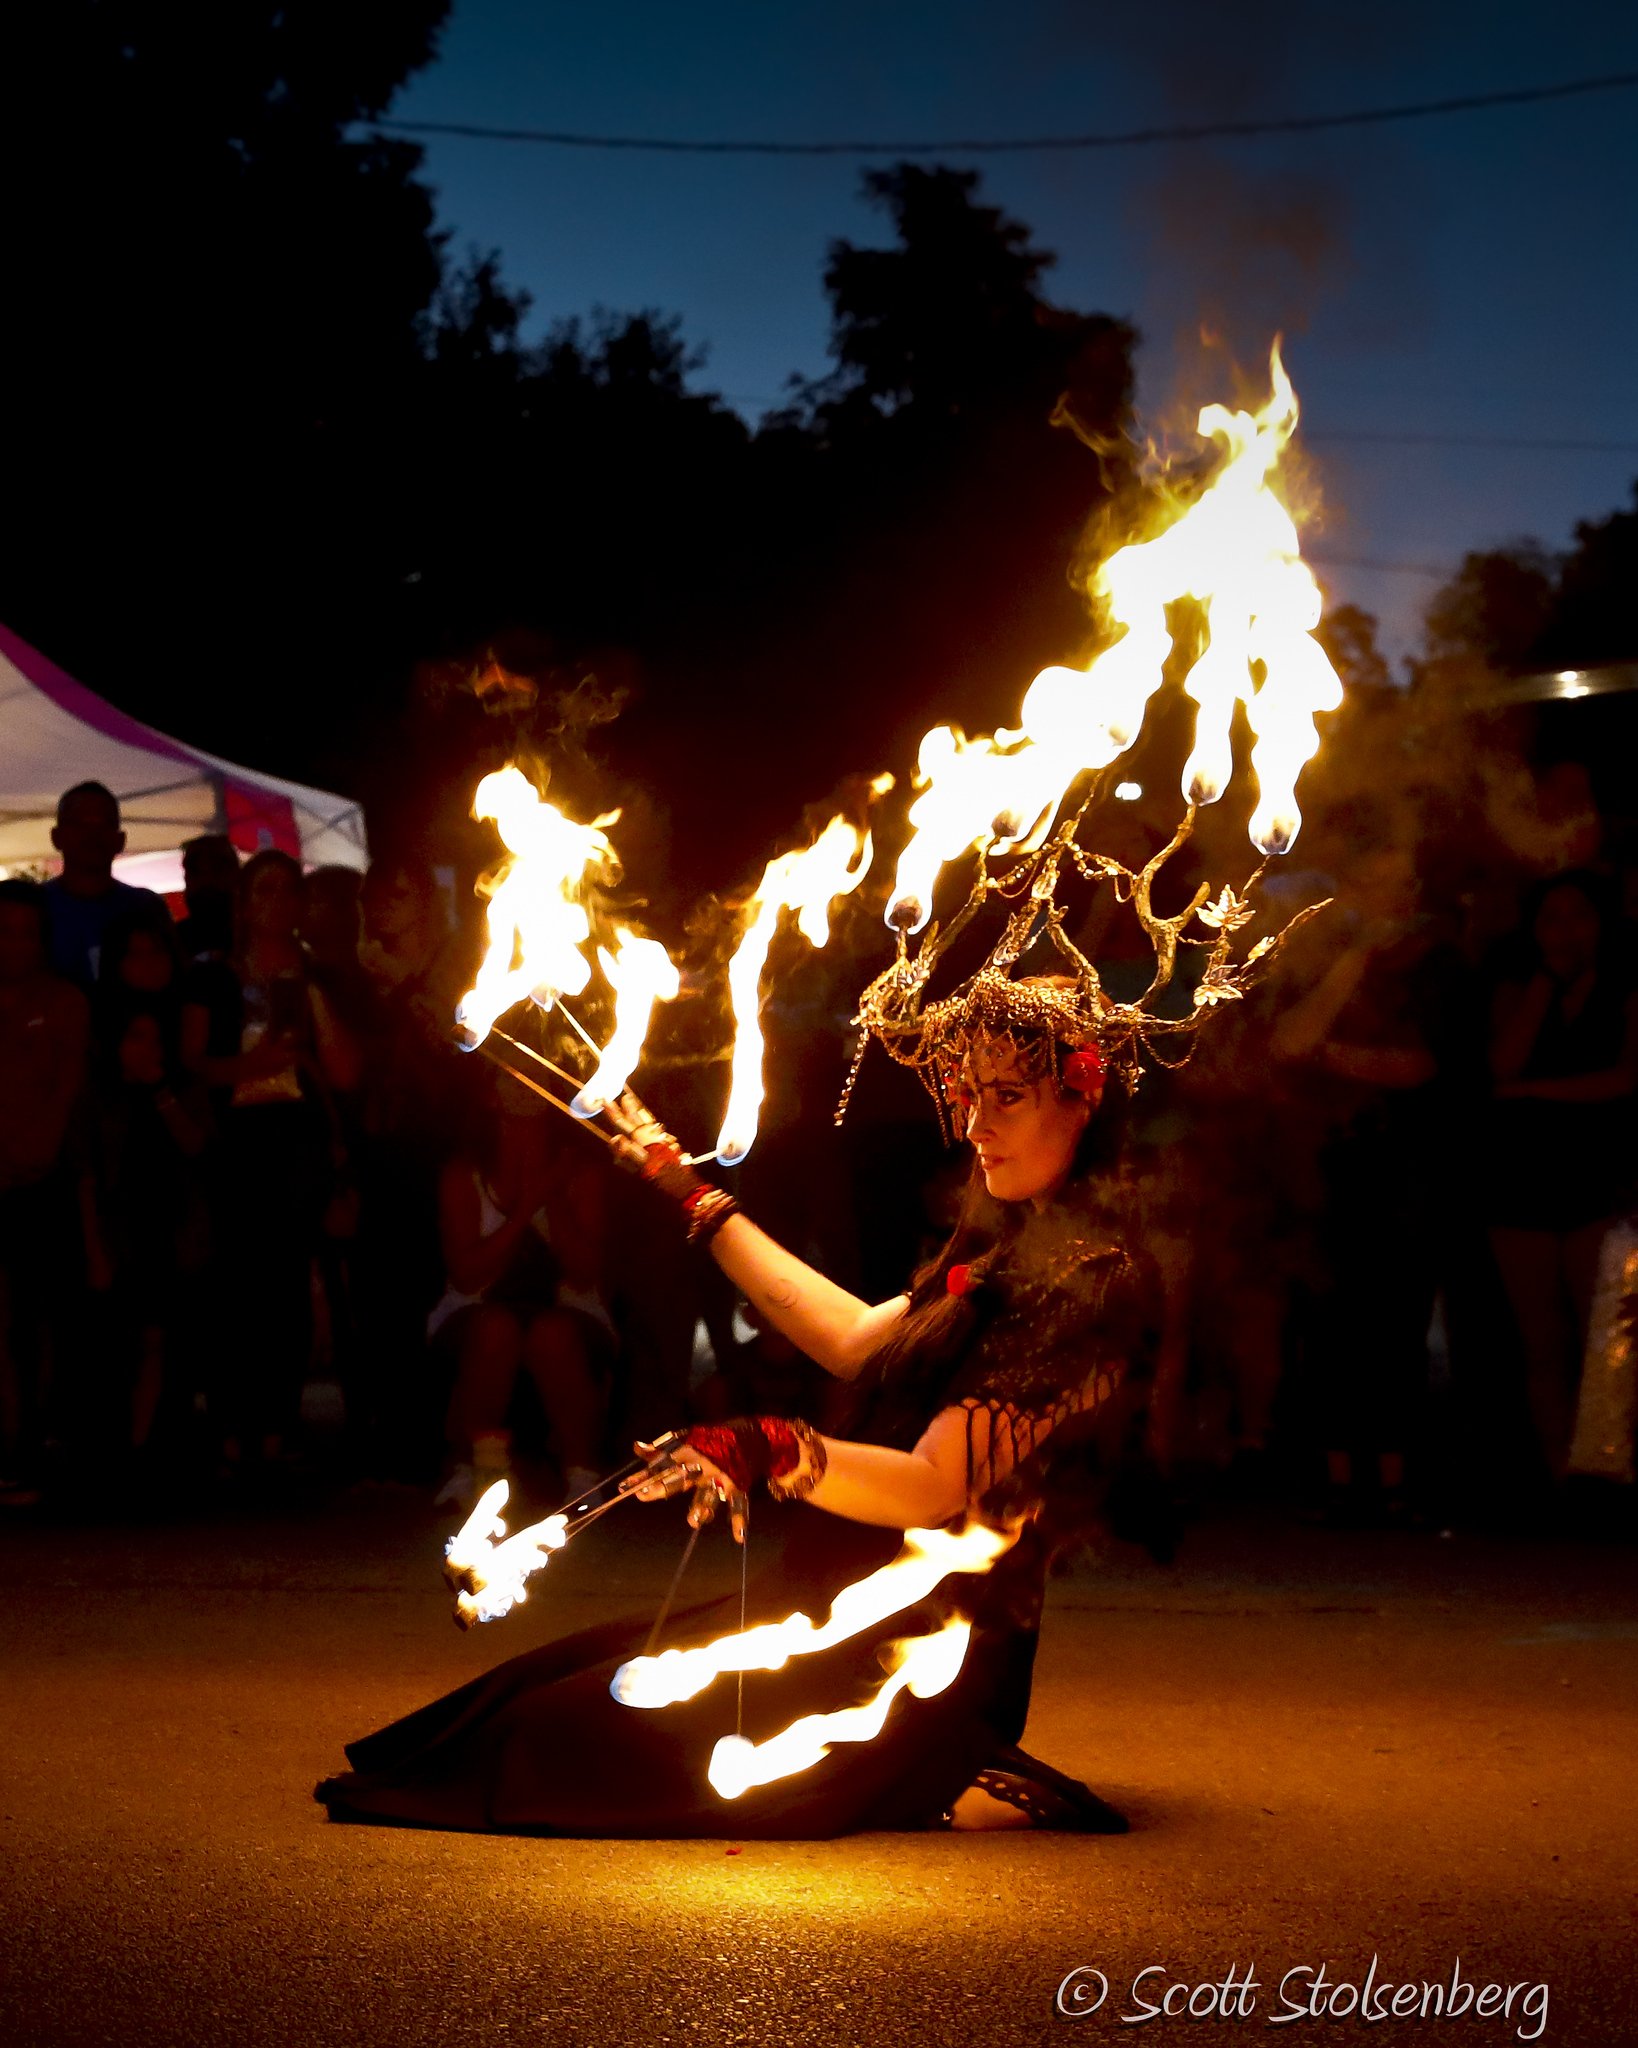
(790, 1456)
(810, 1467)
(707, 1210)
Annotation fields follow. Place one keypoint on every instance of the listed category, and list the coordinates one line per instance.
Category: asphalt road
(1331, 1747)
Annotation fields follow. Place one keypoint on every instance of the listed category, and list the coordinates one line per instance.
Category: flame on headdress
(1233, 549)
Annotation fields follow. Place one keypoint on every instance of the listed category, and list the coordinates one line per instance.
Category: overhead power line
(1321, 560)
(1348, 436)
(1129, 138)
(1506, 441)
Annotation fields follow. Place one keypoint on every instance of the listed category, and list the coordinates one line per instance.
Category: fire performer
(1003, 1395)
(1014, 1358)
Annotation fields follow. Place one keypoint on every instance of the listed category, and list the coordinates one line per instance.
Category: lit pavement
(1330, 1746)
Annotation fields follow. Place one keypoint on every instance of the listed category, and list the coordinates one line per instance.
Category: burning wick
(487, 1568)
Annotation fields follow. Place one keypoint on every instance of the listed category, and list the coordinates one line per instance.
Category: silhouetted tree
(1594, 618)
(212, 342)
(1495, 608)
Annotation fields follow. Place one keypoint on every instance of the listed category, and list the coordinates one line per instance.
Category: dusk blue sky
(1470, 276)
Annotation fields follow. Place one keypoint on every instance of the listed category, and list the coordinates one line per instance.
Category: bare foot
(976, 1811)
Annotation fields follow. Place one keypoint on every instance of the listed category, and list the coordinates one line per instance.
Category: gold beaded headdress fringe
(1034, 1017)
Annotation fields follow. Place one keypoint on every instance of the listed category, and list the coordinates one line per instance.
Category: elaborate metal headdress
(1232, 550)
(1045, 1019)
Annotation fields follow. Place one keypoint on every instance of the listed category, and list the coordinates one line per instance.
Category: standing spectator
(84, 900)
(44, 1027)
(1559, 1162)
(210, 881)
(142, 1202)
(1374, 1055)
(270, 1047)
(412, 1100)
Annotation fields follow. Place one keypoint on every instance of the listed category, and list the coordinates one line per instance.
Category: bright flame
(488, 1566)
(641, 973)
(928, 1665)
(972, 792)
(1234, 549)
(928, 1556)
(537, 923)
(808, 883)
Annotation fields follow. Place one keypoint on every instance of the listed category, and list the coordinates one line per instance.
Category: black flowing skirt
(541, 1746)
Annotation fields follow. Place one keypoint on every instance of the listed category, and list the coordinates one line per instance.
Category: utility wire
(1341, 436)
(1130, 138)
(1393, 440)
(1328, 561)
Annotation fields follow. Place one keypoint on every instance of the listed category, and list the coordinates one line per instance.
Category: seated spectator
(270, 1047)
(84, 900)
(1560, 1143)
(210, 882)
(521, 1219)
(142, 1200)
(44, 1030)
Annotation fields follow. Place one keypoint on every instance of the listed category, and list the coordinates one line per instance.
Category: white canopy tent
(54, 732)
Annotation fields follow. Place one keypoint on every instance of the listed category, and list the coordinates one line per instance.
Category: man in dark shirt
(84, 900)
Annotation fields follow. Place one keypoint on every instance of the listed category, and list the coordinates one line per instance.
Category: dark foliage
(275, 460)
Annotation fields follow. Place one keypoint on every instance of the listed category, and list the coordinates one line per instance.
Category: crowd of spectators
(258, 1218)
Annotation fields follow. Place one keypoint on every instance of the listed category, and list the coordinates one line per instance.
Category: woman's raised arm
(833, 1327)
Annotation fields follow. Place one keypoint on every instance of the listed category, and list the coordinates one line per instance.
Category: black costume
(1044, 1352)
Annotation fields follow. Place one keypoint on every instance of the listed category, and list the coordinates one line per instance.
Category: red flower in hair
(1084, 1070)
(958, 1280)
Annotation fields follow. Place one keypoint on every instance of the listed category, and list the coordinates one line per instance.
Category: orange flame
(488, 1566)
(808, 882)
(1234, 549)
(642, 974)
(927, 1665)
(928, 1556)
(537, 923)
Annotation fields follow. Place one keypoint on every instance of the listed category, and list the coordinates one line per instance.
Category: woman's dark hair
(154, 921)
(258, 864)
(116, 1011)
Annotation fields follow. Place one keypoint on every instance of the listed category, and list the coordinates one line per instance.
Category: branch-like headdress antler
(1039, 1018)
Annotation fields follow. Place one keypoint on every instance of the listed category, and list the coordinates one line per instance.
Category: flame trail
(927, 1666)
(807, 882)
(928, 1556)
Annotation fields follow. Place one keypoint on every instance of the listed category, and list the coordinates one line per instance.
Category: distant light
(1128, 792)
(1574, 690)
(1569, 675)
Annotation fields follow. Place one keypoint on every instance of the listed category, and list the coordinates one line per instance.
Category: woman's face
(146, 964)
(273, 899)
(1024, 1132)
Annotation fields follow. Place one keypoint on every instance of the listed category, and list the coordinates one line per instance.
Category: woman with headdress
(1004, 1386)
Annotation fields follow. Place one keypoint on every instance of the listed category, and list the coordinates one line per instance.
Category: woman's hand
(642, 1142)
(685, 1469)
